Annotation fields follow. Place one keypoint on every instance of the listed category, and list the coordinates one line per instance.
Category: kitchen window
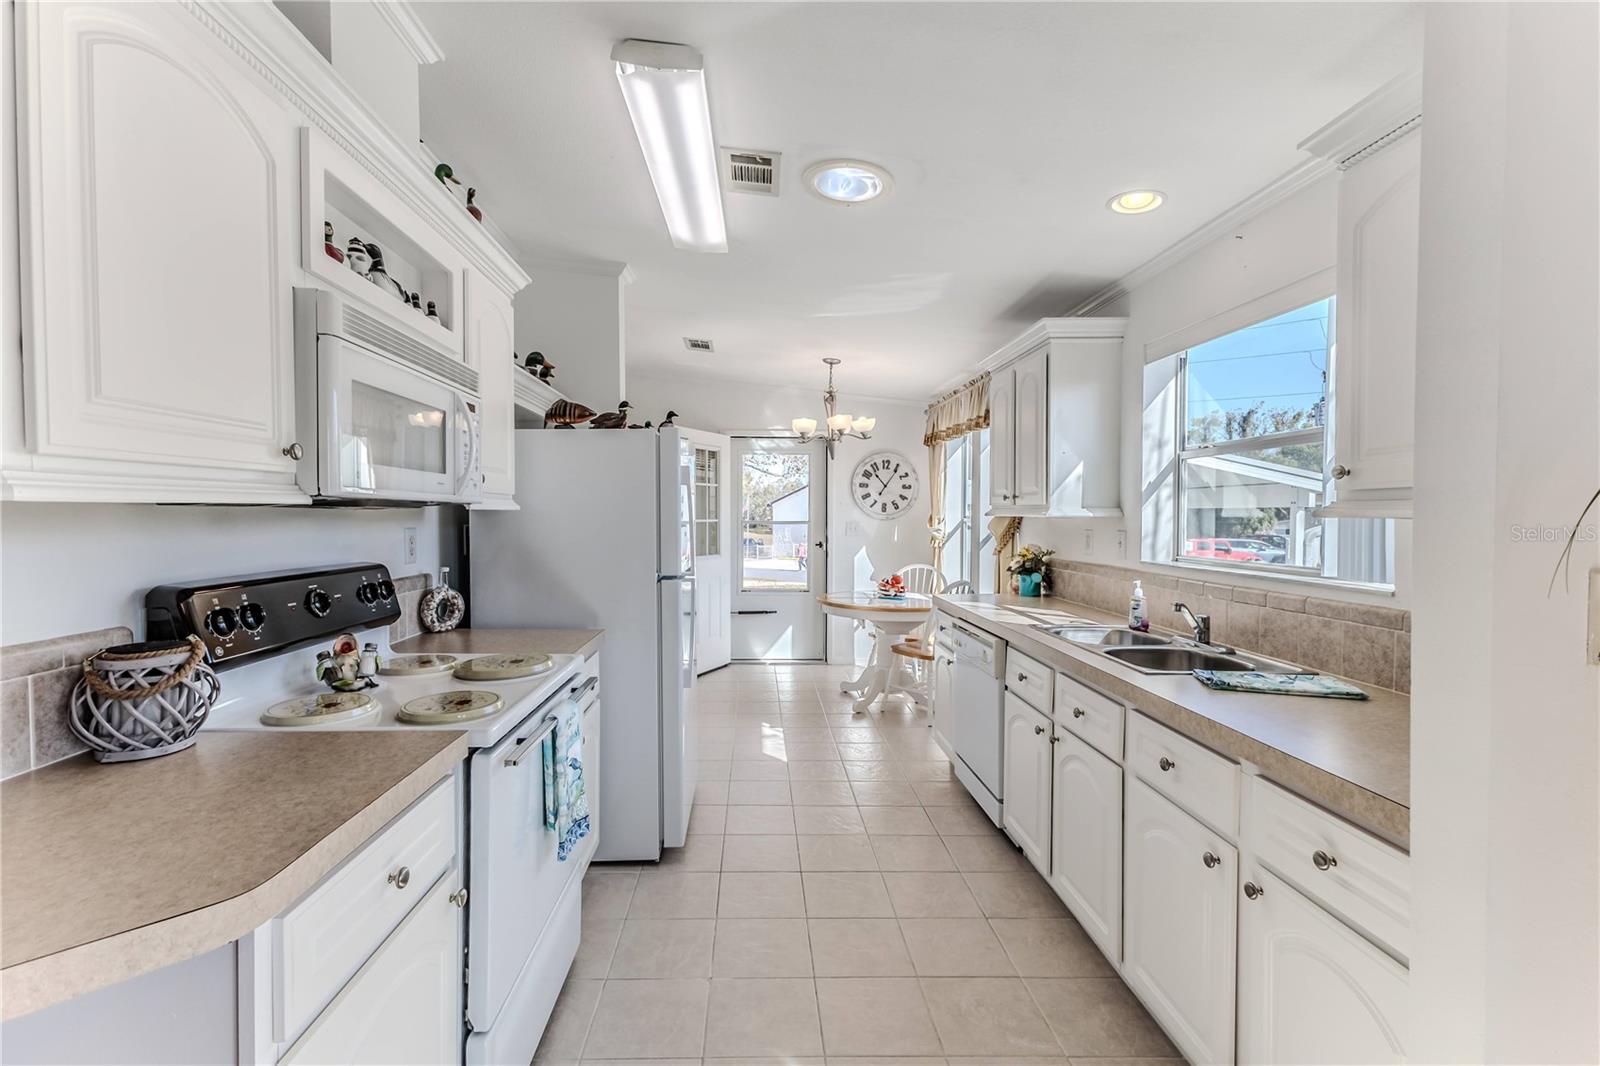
(968, 553)
(1252, 452)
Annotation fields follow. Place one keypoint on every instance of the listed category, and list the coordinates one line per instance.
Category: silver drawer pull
(1166, 764)
(522, 749)
(1038, 729)
(1253, 890)
(1210, 859)
(1322, 860)
(1077, 712)
(578, 690)
(459, 897)
(401, 877)
(1022, 677)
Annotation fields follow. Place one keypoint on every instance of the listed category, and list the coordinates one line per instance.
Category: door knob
(401, 877)
(1322, 860)
(1166, 764)
(1210, 859)
(1253, 890)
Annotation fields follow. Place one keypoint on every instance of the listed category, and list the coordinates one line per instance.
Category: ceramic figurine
(539, 366)
(617, 419)
(444, 174)
(433, 312)
(416, 302)
(356, 256)
(345, 668)
(564, 414)
(472, 208)
(379, 277)
(668, 420)
(327, 243)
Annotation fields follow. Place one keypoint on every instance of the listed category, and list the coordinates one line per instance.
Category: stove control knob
(252, 616)
(367, 592)
(386, 589)
(319, 603)
(222, 621)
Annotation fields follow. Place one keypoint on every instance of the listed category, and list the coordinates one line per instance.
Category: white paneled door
(780, 486)
(713, 548)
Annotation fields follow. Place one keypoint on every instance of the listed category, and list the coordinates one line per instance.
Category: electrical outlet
(1088, 542)
(409, 542)
(853, 529)
(1122, 544)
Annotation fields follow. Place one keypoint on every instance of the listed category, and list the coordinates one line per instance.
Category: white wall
(1505, 823)
(575, 319)
(860, 549)
(1287, 243)
(67, 568)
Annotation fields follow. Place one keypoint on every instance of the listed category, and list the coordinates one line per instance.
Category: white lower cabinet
(1027, 773)
(1086, 839)
(404, 1004)
(1180, 923)
(1311, 990)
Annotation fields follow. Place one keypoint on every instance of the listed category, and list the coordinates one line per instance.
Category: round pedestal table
(890, 619)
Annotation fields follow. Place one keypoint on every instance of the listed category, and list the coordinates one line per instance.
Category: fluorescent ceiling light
(1136, 202)
(665, 89)
(847, 181)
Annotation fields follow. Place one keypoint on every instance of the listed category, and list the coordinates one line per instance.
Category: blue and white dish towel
(566, 807)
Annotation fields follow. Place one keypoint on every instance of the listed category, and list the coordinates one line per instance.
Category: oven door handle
(522, 749)
(579, 690)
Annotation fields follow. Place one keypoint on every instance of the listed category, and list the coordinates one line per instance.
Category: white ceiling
(1006, 128)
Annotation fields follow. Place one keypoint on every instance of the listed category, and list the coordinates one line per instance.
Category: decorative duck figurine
(539, 366)
(327, 243)
(564, 414)
(445, 174)
(617, 419)
(472, 208)
(356, 256)
(379, 277)
(416, 302)
(433, 312)
(668, 420)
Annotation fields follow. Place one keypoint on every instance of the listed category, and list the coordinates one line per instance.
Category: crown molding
(407, 25)
(668, 373)
(1392, 109)
(1099, 327)
(571, 264)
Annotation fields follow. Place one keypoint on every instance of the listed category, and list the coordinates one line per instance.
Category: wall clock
(884, 485)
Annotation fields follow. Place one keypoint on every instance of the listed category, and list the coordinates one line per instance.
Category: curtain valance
(964, 410)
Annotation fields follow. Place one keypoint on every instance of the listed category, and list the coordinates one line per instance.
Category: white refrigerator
(604, 539)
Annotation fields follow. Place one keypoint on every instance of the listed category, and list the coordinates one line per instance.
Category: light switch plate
(1593, 646)
(1122, 544)
(1088, 542)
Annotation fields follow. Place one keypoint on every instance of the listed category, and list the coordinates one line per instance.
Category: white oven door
(386, 432)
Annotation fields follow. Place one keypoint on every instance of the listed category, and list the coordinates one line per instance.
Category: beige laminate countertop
(108, 871)
(1351, 756)
(504, 641)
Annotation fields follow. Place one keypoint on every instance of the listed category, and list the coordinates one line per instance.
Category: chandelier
(838, 426)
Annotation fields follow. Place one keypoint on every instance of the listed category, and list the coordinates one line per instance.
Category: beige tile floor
(840, 899)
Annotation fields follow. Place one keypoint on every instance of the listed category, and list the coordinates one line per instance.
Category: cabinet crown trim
(1391, 110)
(1055, 329)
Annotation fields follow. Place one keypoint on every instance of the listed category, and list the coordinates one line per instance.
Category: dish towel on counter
(566, 807)
(1281, 684)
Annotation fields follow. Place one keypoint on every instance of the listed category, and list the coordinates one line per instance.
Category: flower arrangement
(1030, 566)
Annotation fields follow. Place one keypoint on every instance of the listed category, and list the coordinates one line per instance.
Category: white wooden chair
(926, 579)
(956, 588)
(921, 577)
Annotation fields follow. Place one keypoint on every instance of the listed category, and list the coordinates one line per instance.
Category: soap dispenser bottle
(1138, 618)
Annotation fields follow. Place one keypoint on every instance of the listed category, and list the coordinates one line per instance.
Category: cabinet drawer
(1029, 679)
(1089, 715)
(1354, 874)
(323, 940)
(1193, 776)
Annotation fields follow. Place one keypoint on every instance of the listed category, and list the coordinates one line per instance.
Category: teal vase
(1030, 584)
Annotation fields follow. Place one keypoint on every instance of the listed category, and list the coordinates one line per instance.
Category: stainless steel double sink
(1150, 653)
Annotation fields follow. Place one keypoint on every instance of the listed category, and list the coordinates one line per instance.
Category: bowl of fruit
(892, 588)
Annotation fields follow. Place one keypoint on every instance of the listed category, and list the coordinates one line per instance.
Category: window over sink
(1252, 457)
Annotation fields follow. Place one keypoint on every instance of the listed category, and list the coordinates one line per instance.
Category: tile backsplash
(36, 683)
(1364, 642)
(409, 590)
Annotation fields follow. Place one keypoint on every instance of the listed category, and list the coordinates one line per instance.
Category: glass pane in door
(775, 524)
(707, 501)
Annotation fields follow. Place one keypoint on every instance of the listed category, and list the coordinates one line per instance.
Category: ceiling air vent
(748, 171)
(697, 344)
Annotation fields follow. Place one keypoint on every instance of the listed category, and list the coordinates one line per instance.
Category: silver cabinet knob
(1322, 860)
(1054, 739)
(1166, 764)
(1211, 860)
(1253, 890)
(1077, 712)
(1022, 677)
(459, 897)
(1340, 471)
(1038, 729)
(401, 877)
(295, 452)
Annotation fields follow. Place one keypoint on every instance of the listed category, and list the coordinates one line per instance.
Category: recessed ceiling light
(1136, 201)
(847, 181)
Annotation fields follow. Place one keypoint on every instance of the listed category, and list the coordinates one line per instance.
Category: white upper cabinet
(490, 332)
(160, 202)
(1374, 368)
(1055, 414)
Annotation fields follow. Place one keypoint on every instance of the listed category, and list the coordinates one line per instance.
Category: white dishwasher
(976, 726)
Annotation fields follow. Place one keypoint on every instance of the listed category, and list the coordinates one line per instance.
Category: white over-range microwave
(380, 417)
